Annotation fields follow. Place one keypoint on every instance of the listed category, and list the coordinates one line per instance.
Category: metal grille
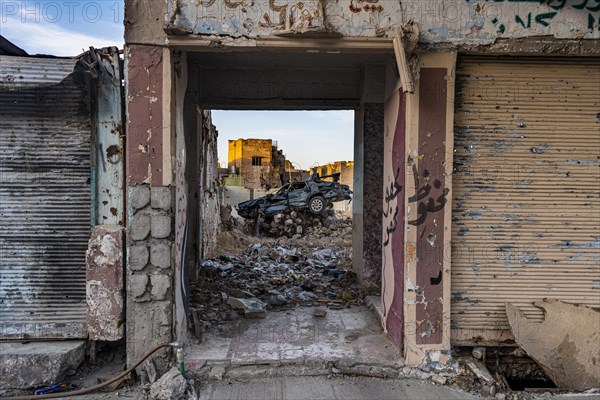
(526, 202)
(44, 197)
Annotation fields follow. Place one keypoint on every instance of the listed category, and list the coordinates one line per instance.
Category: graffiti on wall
(542, 17)
(393, 219)
(432, 204)
(430, 193)
(250, 18)
(181, 228)
(357, 6)
(274, 17)
(391, 193)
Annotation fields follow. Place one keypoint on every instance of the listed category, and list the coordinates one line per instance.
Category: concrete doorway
(307, 80)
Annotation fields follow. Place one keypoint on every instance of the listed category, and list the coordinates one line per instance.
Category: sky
(307, 138)
(63, 27)
(70, 27)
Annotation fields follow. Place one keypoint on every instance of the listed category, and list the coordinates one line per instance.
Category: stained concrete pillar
(428, 201)
(368, 179)
(150, 235)
(368, 186)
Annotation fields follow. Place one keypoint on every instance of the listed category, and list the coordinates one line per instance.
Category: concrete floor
(296, 336)
(316, 387)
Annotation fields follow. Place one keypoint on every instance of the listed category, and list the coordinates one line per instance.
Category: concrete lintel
(223, 43)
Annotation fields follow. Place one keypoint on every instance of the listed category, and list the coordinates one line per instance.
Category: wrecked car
(314, 194)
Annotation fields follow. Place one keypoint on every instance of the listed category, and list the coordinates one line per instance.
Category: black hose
(91, 388)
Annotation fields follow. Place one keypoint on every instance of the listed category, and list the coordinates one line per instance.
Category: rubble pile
(297, 223)
(277, 275)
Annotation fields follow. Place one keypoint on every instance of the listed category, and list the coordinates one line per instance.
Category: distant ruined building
(259, 164)
(344, 168)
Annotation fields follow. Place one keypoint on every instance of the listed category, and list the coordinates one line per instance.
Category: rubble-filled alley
(255, 275)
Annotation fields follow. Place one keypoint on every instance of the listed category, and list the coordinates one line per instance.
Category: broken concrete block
(140, 227)
(161, 198)
(565, 344)
(253, 308)
(170, 386)
(138, 284)
(35, 364)
(161, 226)
(138, 257)
(160, 286)
(480, 371)
(160, 255)
(216, 373)
(319, 312)
(139, 196)
(150, 369)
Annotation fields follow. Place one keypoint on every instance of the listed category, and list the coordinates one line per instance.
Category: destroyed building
(475, 178)
(258, 164)
(255, 166)
(344, 168)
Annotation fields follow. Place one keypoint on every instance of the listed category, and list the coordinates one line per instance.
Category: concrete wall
(209, 201)
(469, 21)
(392, 285)
(171, 160)
(150, 268)
(484, 27)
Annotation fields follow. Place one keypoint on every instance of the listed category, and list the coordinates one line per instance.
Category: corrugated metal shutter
(526, 202)
(44, 197)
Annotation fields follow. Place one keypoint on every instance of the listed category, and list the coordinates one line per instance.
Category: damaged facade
(476, 160)
(461, 95)
(344, 168)
(61, 197)
(60, 176)
(258, 164)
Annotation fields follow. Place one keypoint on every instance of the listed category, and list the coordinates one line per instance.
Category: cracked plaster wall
(439, 20)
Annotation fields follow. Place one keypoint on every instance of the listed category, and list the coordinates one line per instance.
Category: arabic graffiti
(391, 193)
(544, 17)
(372, 6)
(431, 205)
(590, 5)
(297, 16)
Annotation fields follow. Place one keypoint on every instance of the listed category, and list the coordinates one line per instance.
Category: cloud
(48, 38)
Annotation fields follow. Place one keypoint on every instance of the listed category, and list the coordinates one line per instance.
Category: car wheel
(317, 205)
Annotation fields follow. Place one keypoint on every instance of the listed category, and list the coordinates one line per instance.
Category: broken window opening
(257, 161)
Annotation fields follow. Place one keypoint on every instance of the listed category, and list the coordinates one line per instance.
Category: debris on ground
(252, 308)
(565, 344)
(297, 223)
(170, 386)
(479, 370)
(279, 273)
(56, 388)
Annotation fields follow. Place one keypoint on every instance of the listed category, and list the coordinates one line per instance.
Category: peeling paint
(463, 21)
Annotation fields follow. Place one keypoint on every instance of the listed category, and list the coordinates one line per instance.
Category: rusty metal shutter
(526, 191)
(44, 197)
